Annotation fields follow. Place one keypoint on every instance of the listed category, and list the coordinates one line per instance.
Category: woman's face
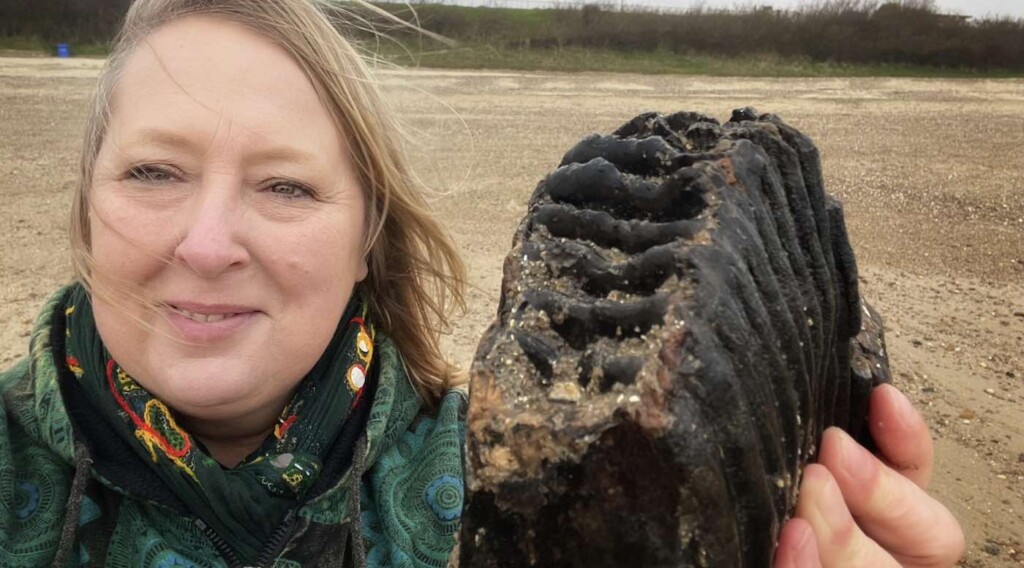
(224, 195)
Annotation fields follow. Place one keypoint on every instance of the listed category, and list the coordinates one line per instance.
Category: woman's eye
(150, 174)
(289, 190)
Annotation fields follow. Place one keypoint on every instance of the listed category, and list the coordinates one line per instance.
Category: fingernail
(858, 464)
(902, 405)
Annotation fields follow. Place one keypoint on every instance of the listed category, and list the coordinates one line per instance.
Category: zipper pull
(277, 540)
(226, 551)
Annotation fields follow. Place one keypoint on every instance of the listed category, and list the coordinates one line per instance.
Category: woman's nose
(211, 244)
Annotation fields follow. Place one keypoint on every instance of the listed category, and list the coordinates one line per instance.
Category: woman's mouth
(203, 324)
(201, 317)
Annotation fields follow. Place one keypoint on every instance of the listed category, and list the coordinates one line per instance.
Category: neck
(229, 442)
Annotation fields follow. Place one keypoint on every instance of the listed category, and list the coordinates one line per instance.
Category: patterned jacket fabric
(409, 479)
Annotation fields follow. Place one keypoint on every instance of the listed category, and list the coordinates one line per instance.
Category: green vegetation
(572, 59)
(75, 22)
(35, 45)
(826, 37)
(898, 38)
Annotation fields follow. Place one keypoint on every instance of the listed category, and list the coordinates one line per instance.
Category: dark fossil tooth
(542, 353)
(598, 184)
(597, 275)
(704, 135)
(647, 156)
(596, 367)
(682, 121)
(679, 321)
(580, 321)
(602, 229)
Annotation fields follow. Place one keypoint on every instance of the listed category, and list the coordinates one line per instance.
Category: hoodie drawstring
(358, 462)
(83, 463)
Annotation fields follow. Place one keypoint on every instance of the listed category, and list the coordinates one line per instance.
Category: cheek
(126, 241)
(121, 336)
(311, 274)
(348, 263)
(328, 257)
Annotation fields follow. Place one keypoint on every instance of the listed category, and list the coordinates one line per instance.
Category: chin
(208, 392)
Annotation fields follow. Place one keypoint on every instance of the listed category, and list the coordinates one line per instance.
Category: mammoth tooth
(694, 287)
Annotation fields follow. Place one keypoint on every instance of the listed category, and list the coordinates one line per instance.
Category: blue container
(62, 50)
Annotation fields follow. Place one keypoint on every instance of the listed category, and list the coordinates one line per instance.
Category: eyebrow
(166, 138)
(177, 141)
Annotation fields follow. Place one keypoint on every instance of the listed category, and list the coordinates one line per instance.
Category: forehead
(205, 76)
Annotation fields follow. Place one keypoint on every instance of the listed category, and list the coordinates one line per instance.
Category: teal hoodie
(57, 510)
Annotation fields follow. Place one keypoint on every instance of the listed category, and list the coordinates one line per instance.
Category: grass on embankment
(34, 47)
(574, 59)
(657, 62)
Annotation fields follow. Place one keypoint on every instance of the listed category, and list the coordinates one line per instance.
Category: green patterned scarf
(244, 505)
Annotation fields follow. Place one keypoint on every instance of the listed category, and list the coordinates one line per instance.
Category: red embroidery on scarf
(282, 428)
(141, 424)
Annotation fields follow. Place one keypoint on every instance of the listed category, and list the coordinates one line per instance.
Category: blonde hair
(416, 276)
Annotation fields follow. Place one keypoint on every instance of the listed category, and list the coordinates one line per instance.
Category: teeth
(202, 318)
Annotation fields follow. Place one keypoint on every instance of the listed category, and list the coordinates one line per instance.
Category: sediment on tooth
(869, 367)
(579, 322)
(681, 121)
(703, 136)
(642, 273)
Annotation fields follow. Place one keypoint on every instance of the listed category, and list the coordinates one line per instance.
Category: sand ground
(931, 173)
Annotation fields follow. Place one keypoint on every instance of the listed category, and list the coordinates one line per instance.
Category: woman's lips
(202, 318)
(206, 323)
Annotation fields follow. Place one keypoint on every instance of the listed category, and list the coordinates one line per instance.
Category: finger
(901, 434)
(891, 509)
(840, 541)
(797, 547)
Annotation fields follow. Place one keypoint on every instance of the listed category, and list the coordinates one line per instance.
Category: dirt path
(930, 171)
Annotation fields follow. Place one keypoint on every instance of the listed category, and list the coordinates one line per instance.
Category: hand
(857, 509)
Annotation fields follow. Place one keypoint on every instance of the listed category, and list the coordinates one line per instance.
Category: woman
(251, 249)
(247, 371)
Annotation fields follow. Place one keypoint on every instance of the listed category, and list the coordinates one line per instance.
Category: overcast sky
(976, 8)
